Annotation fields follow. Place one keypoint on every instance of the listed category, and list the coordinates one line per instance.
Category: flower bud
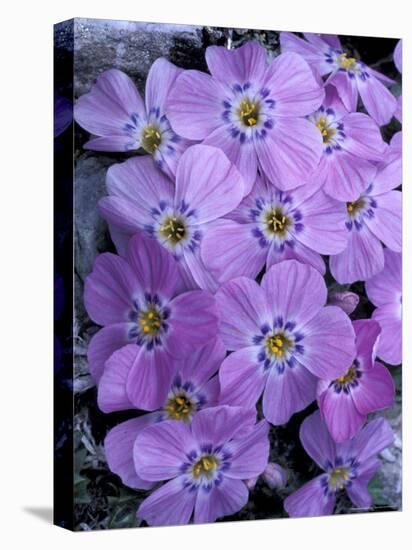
(346, 300)
(275, 476)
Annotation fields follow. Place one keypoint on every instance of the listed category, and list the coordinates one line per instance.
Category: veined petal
(390, 343)
(250, 453)
(340, 413)
(386, 287)
(310, 500)
(238, 66)
(377, 99)
(105, 342)
(314, 56)
(203, 362)
(230, 496)
(376, 390)
(160, 79)
(367, 333)
(376, 436)
(386, 224)
(112, 395)
(317, 441)
(346, 88)
(363, 137)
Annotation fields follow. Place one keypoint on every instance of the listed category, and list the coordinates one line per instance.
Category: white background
(26, 272)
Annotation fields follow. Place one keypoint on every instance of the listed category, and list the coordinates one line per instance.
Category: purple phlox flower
(203, 463)
(63, 114)
(375, 217)
(284, 339)
(141, 198)
(253, 110)
(270, 226)
(367, 386)
(347, 301)
(119, 120)
(195, 386)
(350, 76)
(135, 300)
(352, 142)
(385, 292)
(348, 466)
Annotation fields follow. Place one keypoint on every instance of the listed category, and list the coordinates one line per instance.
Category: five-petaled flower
(119, 120)
(270, 226)
(253, 110)
(349, 75)
(366, 386)
(207, 187)
(205, 462)
(348, 466)
(137, 302)
(284, 339)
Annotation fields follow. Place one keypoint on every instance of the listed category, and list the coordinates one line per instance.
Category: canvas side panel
(64, 482)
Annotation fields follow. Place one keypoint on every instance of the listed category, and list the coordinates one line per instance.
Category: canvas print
(228, 274)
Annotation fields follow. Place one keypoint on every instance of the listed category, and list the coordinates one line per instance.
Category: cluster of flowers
(261, 166)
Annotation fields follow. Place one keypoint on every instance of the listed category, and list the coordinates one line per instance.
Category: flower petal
(203, 362)
(160, 79)
(386, 224)
(112, 395)
(208, 182)
(317, 441)
(390, 342)
(294, 291)
(314, 56)
(287, 393)
(377, 99)
(376, 390)
(118, 447)
(363, 137)
(238, 66)
(242, 379)
(172, 504)
(386, 287)
(106, 341)
(250, 453)
(242, 309)
(346, 88)
(230, 496)
(340, 413)
(310, 500)
(329, 343)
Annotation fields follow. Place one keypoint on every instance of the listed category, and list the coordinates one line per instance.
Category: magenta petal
(160, 450)
(217, 425)
(250, 454)
(203, 362)
(154, 266)
(287, 393)
(192, 323)
(242, 378)
(194, 105)
(376, 390)
(329, 343)
(161, 76)
(363, 137)
(109, 290)
(377, 99)
(390, 343)
(346, 88)
(376, 436)
(299, 252)
(386, 224)
(195, 268)
(230, 496)
(239, 65)
(389, 174)
(340, 413)
(291, 43)
(317, 441)
(118, 447)
(230, 250)
(310, 500)
(290, 152)
(149, 379)
(362, 258)
(172, 504)
(367, 332)
(359, 494)
(294, 291)
(242, 307)
(208, 182)
(106, 341)
(112, 394)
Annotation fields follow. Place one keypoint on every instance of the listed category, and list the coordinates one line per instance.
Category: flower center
(354, 207)
(326, 131)
(151, 138)
(150, 320)
(179, 407)
(338, 479)
(349, 376)
(205, 467)
(173, 230)
(277, 345)
(348, 63)
(248, 112)
(276, 222)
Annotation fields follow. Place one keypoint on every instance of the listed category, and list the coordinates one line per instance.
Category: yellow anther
(146, 328)
(150, 315)
(278, 342)
(275, 349)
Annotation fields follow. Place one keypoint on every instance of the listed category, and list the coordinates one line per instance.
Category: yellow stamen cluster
(348, 63)
(338, 478)
(248, 112)
(179, 407)
(205, 466)
(354, 207)
(278, 345)
(276, 221)
(151, 139)
(326, 131)
(349, 376)
(150, 321)
(173, 230)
